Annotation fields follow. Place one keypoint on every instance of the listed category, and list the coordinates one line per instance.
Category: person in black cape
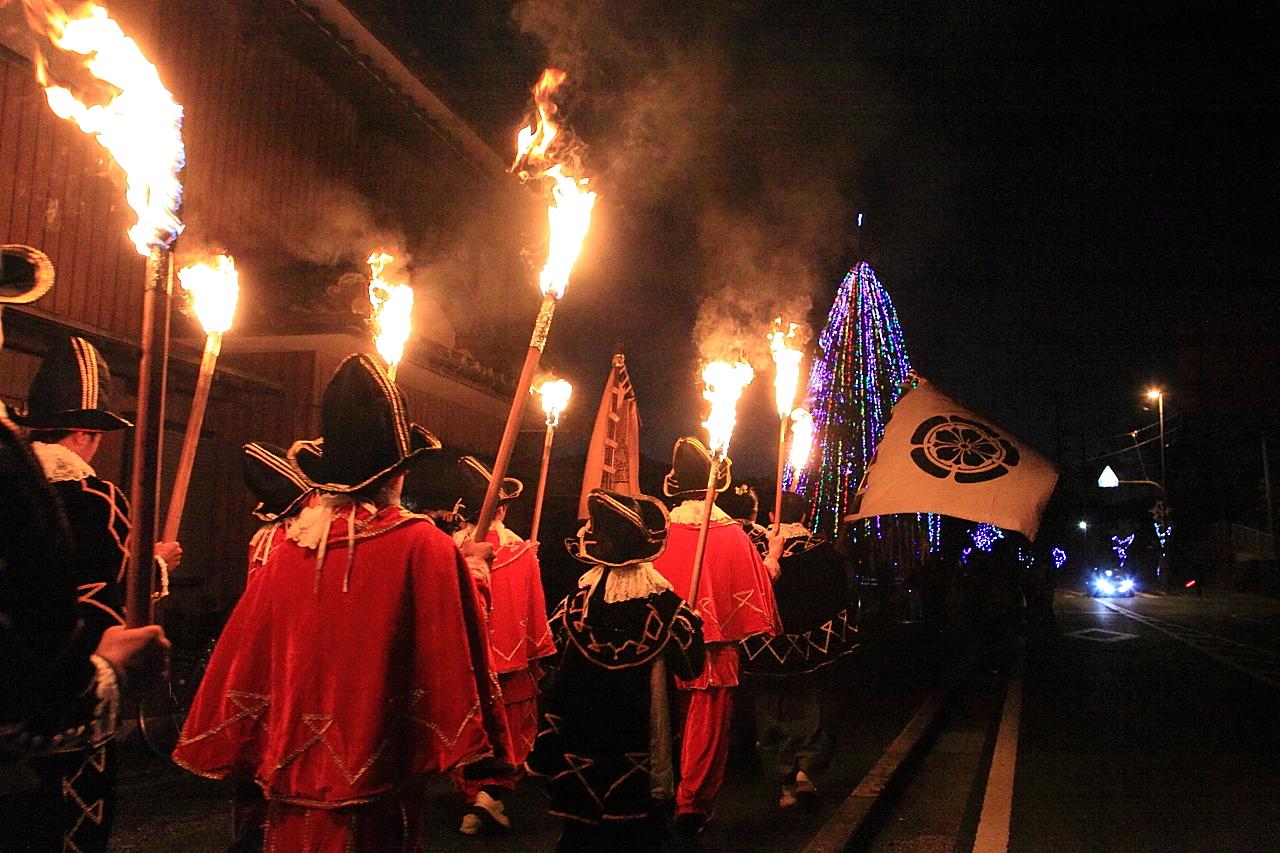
(604, 713)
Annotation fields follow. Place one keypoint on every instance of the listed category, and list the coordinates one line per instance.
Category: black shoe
(685, 831)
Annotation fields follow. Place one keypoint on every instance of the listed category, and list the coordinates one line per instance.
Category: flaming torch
(213, 287)
(555, 395)
(133, 116)
(569, 218)
(801, 440)
(724, 384)
(786, 362)
(392, 312)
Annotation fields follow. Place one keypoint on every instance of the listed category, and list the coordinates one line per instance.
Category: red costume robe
(337, 686)
(519, 635)
(735, 601)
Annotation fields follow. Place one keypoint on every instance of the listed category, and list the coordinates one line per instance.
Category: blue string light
(1059, 557)
(1121, 547)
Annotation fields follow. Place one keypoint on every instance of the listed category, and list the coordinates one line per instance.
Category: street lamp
(1156, 395)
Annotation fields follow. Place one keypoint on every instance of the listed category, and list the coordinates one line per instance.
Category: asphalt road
(1151, 723)
(1147, 724)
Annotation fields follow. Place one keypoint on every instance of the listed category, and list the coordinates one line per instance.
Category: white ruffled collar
(61, 464)
(506, 536)
(690, 512)
(634, 580)
(793, 530)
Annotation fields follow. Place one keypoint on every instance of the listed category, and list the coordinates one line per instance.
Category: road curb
(853, 818)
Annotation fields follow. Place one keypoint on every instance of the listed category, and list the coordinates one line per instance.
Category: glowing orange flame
(569, 214)
(724, 383)
(787, 366)
(801, 439)
(392, 312)
(140, 124)
(214, 289)
(555, 394)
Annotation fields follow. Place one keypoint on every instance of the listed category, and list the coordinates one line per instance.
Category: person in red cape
(735, 600)
(519, 635)
(358, 663)
(280, 491)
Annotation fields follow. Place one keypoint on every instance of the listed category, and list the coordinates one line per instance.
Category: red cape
(735, 597)
(330, 698)
(518, 627)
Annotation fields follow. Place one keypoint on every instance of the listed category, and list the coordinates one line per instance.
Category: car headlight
(1126, 584)
(1106, 586)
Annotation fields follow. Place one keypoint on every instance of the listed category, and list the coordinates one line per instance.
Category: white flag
(937, 456)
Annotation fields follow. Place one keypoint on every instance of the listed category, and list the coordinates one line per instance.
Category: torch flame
(555, 394)
(140, 124)
(801, 439)
(787, 366)
(392, 311)
(724, 383)
(214, 289)
(569, 214)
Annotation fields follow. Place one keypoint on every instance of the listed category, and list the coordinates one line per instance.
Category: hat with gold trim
(268, 475)
(691, 468)
(26, 274)
(71, 390)
(365, 435)
(621, 529)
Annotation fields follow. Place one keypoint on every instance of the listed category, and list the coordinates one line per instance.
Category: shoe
(806, 794)
(788, 799)
(485, 815)
(686, 829)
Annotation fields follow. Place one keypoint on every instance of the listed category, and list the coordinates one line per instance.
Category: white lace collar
(690, 512)
(61, 464)
(634, 580)
(793, 530)
(506, 536)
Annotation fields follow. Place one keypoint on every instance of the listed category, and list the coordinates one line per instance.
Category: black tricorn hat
(365, 435)
(278, 488)
(691, 468)
(475, 482)
(621, 529)
(26, 274)
(72, 390)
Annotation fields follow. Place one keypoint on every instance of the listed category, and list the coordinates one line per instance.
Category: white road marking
(1260, 664)
(997, 802)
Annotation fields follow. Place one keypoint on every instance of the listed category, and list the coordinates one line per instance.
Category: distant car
(1110, 583)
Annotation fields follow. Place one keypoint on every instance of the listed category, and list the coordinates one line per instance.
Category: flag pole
(542, 481)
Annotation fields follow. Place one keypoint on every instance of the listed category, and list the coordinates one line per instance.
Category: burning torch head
(26, 274)
(278, 488)
(366, 436)
(691, 463)
(72, 390)
(621, 529)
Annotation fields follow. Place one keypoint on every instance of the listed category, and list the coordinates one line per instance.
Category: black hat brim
(34, 276)
(89, 420)
(306, 456)
(654, 519)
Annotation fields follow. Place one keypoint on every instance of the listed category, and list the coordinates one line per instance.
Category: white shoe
(485, 815)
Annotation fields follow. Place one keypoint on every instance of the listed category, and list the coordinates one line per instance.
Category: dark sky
(1052, 192)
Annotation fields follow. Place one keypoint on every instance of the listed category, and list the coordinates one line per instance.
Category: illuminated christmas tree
(857, 376)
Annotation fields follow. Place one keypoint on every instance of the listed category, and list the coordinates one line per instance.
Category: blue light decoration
(859, 372)
(1163, 532)
(1121, 547)
(1059, 557)
(985, 536)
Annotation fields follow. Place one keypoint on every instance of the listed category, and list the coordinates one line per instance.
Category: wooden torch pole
(700, 551)
(777, 492)
(541, 326)
(542, 482)
(148, 436)
(182, 480)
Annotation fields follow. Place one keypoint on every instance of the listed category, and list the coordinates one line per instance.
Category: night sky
(1052, 193)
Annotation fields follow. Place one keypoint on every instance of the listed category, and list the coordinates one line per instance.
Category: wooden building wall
(277, 127)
